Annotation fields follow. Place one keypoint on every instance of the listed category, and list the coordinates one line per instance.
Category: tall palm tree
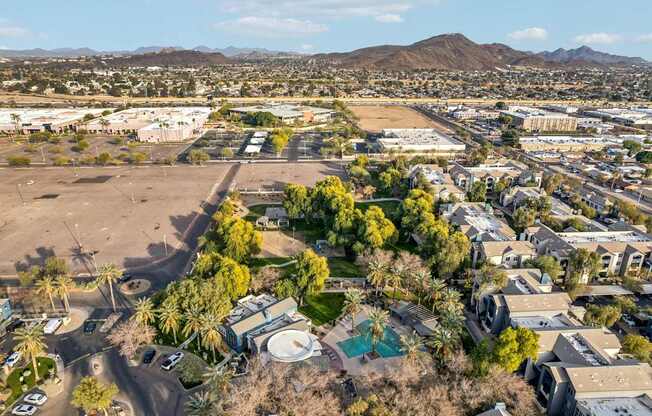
(450, 301)
(211, 336)
(444, 342)
(29, 342)
(436, 291)
(340, 144)
(108, 274)
(395, 278)
(201, 404)
(378, 270)
(378, 319)
(46, 286)
(193, 324)
(15, 118)
(170, 318)
(353, 299)
(420, 280)
(411, 345)
(218, 379)
(144, 311)
(63, 286)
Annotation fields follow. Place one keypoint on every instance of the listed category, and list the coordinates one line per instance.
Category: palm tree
(15, 118)
(436, 291)
(46, 286)
(29, 342)
(411, 345)
(353, 299)
(378, 269)
(219, 379)
(211, 336)
(104, 123)
(340, 144)
(108, 274)
(378, 319)
(170, 319)
(395, 278)
(144, 311)
(200, 404)
(420, 280)
(63, 285)
(444, 342)
(193, 324)
(450, 301)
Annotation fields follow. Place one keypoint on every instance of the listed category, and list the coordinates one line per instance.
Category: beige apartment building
(532, 119)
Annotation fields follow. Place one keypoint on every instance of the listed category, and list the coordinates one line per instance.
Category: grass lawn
(343, 267)
(257, 262)
(323, 308)
(390, 208)
(312, 231)
(168, 339)
(257, 211)
(44, 365)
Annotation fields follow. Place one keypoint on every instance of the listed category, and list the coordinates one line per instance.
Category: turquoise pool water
(389, 346)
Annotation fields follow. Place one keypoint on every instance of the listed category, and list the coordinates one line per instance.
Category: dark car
(14, 325)
(149, 355)
(125, 277)
(89, 327)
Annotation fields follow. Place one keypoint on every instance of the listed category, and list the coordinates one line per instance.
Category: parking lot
(129, 216)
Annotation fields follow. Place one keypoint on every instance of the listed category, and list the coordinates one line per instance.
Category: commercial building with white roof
(534, 119)
(288, 113)
(154, 125)
(32, 120)
(567, 143)
(635, 117)
(420, 141)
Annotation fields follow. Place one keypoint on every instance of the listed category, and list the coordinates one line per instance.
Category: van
(51, 326)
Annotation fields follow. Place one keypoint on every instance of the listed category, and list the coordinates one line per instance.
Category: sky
(312, 26)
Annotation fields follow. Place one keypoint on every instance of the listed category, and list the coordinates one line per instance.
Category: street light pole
(20, 194)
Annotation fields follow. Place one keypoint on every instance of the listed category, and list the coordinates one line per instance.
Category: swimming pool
(389, 346)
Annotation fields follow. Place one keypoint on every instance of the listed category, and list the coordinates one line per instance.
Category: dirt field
(274, 176)
(375, 118)
(277, 244)
(121, 214)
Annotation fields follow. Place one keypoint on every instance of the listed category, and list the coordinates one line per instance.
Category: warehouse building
(419, 141)
(34, 120)
(567, 143)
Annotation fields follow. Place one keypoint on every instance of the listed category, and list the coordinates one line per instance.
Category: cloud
(647, 38)
(9, 31)
(307, 47)
(271, 26)
(324, 8)
(599, 38)
(531, 33)
(389, 18)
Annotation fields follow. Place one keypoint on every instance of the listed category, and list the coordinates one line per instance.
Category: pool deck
(354, 366)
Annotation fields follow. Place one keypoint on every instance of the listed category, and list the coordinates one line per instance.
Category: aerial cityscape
(326, 208)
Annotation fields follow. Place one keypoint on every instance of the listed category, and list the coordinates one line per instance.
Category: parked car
(149, 355)
(24, 410)
(628, 320)
(37, 399)
(89, 327)
(125, 277)
(172, 361)
(52, 325)
(13, 359)
(14, 325)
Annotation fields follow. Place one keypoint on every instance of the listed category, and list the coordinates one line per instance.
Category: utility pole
(165, 244)
(20, 194)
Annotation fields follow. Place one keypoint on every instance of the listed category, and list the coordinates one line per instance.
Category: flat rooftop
(571, 140)
(621, 406)
(283, 110)
(248, 306)
(525, 112)
(418, 138)
(41, 116)
(604, 237)
(541, 322)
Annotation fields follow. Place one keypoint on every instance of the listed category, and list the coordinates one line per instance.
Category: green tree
(198, 157)
(92, 396)
(478, 192)
(233, 236)
(390, 179)
(310, 275)
(144, 311)
(201, 404)
(209, 332)
(108, 274)
(296, 201)
(606, 315)
(582, 264)
(547, 264)
(632, 146)
(46, 286)
(524, 217)
(378, 320)
(414, 208)
(515, 346)
(340, 145)
(63, 285)
(30, 343)
(374, 229)
(353, 299)
(638, 346)
(193, 324)
(444, 342)
(232, 277)
(170, 318)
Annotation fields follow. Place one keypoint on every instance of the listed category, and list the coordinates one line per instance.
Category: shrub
(80, 146)
(55, 149)
(61, 161)
(19, 161)
(137, 157)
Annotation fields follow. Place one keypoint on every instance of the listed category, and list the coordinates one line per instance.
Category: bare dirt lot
(121, 214)
(274, 176)
(375, 118)
(278, 244)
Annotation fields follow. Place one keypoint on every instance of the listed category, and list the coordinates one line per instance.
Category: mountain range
(444, 52)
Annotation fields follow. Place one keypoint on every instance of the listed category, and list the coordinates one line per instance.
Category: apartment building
(567, 143)
(508, 254)
(621, 252)
(500, 310)
(536, 120)
(441, 183)
(509, 171)
(477, 221)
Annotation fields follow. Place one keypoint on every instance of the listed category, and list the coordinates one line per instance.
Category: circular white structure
(290, 346)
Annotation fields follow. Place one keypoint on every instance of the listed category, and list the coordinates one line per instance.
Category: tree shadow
(42, 253)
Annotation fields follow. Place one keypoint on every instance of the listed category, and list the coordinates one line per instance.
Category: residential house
(509, 254)
(509, 171)
(441, 184)
(499, 310)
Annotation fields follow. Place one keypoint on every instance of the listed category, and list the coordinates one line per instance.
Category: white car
(36, 399)
(172, 361)
(13, 359)
(628, 320)
(24, 410)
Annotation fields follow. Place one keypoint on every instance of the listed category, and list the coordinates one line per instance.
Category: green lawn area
(257, 211)
(323, 308)
(343, 267)
(390, 208)
(312, 231)
(168, 339)
(257, 262)
(44, 365)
